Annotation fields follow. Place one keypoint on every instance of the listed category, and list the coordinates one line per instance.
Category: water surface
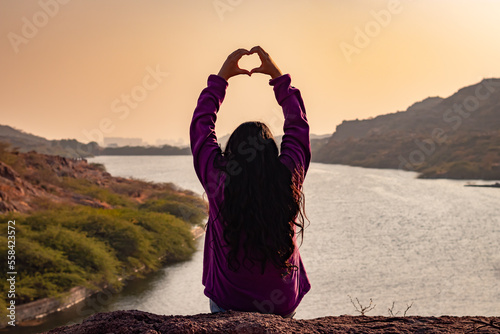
(373, 234)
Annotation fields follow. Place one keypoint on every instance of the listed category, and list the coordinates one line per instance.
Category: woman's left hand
(230, 67)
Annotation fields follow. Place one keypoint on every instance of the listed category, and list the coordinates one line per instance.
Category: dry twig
(360, 308)
(391, 310)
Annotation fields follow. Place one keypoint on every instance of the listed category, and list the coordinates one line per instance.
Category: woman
(251, 257)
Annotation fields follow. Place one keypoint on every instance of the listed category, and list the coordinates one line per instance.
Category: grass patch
(87, 188)
(64, 247)
(187, 207)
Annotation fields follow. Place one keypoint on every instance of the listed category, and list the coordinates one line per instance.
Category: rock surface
(34, 180)
(41, 180)
(241, 322)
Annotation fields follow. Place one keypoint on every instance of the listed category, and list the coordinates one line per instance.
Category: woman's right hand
(230, 67)
(268, 66)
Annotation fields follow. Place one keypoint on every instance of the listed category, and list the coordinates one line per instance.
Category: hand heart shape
(231, 66)
(250, 62)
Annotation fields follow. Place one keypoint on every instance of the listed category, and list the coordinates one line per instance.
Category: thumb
(259, 69)
(243, 71)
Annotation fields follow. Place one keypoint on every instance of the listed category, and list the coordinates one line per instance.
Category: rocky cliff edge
(242, 322)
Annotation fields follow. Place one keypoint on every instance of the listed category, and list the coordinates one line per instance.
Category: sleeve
(295, 145)
(204, 146)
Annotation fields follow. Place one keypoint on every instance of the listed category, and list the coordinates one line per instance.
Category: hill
(25, 142)
(456, 137)
(76, 225)
(71, 148)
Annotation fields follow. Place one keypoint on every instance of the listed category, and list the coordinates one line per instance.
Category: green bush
(181, 210)
(98, 166)
(94, 257)
(7, 156)
(464, 170)
(87, 188)
(188, 207)
(170, 238)
(34, 258)
(64, 247)
(3, 311)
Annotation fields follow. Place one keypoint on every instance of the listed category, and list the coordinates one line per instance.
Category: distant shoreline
(422, 176)
(495, 185)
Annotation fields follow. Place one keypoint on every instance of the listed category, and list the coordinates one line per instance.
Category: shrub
(87, 188)
(68, 246)
(184, 211)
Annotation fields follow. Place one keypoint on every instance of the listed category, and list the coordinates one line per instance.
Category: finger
(238, 53)
(233, 53)
(264, 57)
(259, 69)
(237, 56)
(241, 52)
(257, 49)
(242, 71)
(254, 49)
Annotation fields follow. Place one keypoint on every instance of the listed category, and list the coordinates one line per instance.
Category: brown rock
(41, 179)
(243, 322)
(7, 172)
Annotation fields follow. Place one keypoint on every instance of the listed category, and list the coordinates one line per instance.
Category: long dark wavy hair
(262, 200)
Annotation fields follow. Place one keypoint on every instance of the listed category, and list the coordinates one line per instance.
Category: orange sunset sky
(83, 68)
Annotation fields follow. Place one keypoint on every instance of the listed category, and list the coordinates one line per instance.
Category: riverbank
(242, 322)
(79, 230)
(37, 311)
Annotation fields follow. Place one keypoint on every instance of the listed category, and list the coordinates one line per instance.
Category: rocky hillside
(40, 178)
(28, 181)
(241, 322)
(26, 142)
(455, 137)
(76, 225)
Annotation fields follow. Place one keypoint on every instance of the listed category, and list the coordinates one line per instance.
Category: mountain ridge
(456, 137)
(71, 148)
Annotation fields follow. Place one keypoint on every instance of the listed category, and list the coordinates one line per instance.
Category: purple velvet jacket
(247, 289)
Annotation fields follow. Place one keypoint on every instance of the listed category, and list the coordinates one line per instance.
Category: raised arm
(202, 130)
(295, 146)
(203, 139)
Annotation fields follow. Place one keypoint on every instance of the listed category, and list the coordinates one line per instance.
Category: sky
(88, 69)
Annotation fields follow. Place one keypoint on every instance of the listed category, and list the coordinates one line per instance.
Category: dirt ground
(242, 322)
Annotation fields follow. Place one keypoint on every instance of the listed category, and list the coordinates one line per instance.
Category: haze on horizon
(123, 68)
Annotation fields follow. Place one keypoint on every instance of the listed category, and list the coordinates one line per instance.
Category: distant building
(172, 142)
(121, 141)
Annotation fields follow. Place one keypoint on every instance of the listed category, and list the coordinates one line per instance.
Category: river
(373, 234)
